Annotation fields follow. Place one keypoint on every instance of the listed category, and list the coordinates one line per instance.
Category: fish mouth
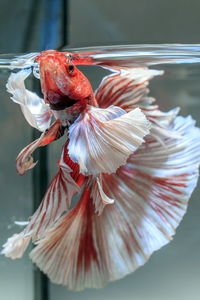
(62, 103)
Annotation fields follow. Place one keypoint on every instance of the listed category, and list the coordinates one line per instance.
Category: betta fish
(132, 166)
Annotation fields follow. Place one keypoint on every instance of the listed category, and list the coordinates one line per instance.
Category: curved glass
(122, 55)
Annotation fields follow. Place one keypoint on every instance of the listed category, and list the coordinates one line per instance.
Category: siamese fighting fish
(132, 167)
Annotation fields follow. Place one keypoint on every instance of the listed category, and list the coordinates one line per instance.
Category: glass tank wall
(16, 277)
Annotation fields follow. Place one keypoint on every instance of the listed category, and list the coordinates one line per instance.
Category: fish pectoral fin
(25, 160)
(36, 112)
(103, 139)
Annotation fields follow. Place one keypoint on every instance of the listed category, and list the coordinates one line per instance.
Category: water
(172, 272)
(130, 55)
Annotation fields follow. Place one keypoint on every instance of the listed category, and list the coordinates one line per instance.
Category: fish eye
(71, 68)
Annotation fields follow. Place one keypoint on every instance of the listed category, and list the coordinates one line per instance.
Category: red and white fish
(133, 167)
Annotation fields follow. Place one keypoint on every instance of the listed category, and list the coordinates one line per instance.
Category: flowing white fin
(56, 201)
(15, 246)
(151, 194)
(101, 142)
(98, 195)
(128, 89)
(36, 112)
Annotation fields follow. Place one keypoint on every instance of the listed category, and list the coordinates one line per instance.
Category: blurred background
(172, 273)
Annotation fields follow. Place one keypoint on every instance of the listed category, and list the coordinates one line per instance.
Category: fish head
(62, 83)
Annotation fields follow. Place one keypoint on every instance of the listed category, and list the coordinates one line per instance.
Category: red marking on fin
(87, 252)
(75, 174)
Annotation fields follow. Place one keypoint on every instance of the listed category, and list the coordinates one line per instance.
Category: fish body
(132, 166)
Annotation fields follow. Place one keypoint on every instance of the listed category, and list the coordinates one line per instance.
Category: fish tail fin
(92, 245)
(86, 249)
(56, 201)
(15, 246)
(68, 253)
